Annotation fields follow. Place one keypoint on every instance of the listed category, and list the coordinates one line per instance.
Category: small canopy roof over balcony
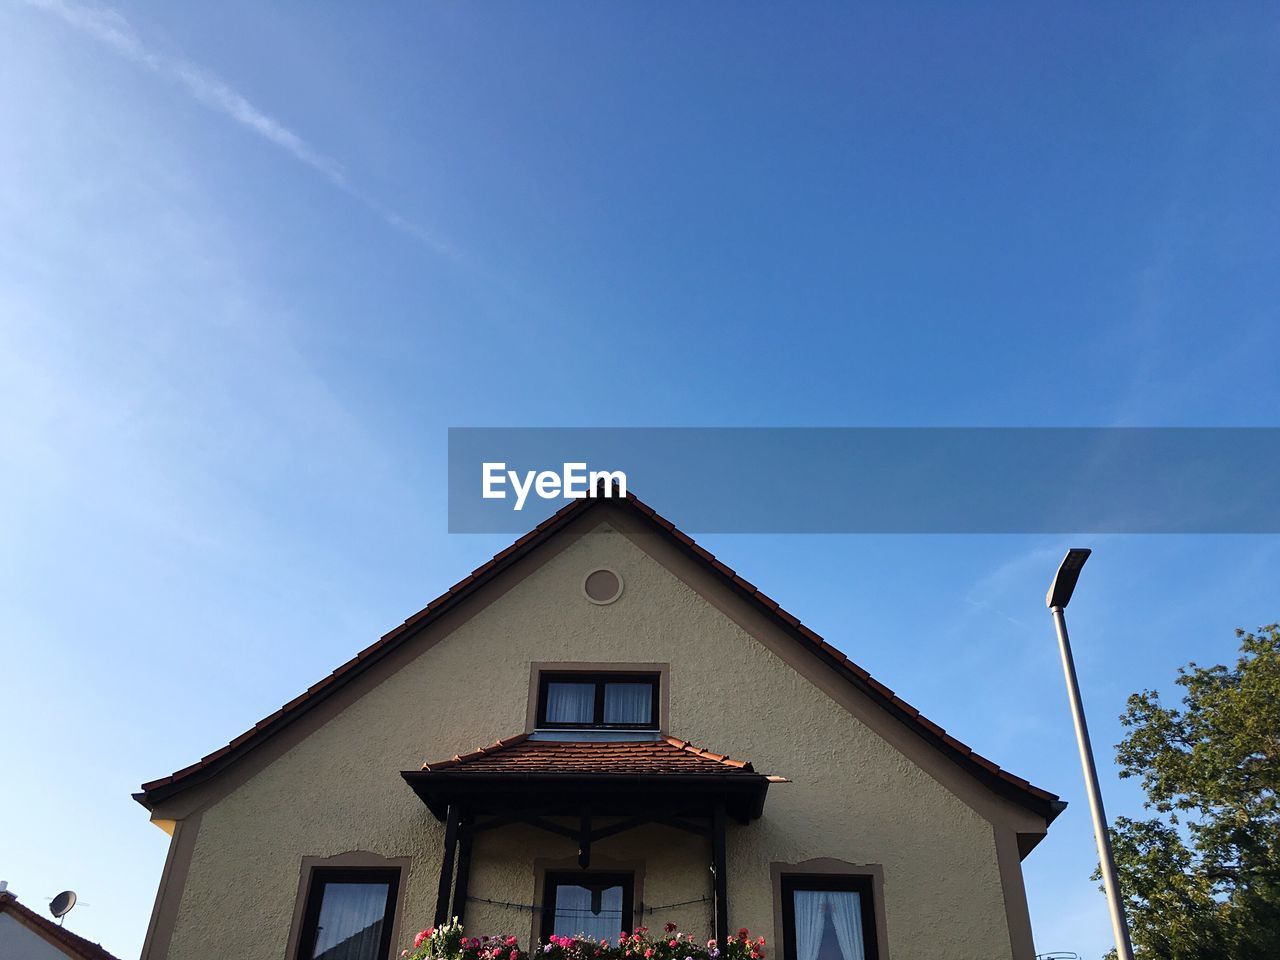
(603, 786)
(616, 777)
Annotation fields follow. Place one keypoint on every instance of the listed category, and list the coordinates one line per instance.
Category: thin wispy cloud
(111, 28)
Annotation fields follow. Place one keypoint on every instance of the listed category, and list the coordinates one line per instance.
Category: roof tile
(520, 754)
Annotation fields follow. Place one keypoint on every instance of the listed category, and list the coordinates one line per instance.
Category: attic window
(604, 701)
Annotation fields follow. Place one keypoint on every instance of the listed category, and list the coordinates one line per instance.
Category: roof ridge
(488, 750)
(688, 747)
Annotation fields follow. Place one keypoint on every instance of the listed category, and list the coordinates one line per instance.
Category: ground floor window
(595, 904)
(349, 915)
(828, 918)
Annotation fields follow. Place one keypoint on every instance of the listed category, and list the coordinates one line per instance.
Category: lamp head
(1064, 583)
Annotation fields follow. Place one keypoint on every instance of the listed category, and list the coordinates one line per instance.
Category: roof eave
(748, 790)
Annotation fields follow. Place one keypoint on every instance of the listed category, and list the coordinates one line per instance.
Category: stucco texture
(853, 796)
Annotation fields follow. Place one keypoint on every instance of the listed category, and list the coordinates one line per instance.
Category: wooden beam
(615, 828)
(530, 817)
(543, 824)
(688, 826)
(464, 870)
(482, 825)
(721, 878)
(505, 819)
(446, 865)
(584, 837)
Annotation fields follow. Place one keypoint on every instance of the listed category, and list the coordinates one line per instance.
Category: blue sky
(255, 261)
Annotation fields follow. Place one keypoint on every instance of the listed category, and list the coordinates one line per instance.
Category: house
(617, 730)
(25, 935)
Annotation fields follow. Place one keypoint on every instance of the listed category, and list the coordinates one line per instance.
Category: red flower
(669, 927)
(743, 933)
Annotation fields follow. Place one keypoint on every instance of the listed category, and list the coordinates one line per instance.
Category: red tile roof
(72, 944)
(1001, 781)
(521, 754)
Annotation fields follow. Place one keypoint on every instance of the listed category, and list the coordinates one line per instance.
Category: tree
(1201, 878)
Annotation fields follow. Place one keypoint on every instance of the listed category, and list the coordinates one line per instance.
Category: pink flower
(671, 943)
(649, 952)
(417, 941)
(711, 944)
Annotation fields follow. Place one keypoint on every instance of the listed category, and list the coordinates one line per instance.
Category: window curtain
(810, 920)
(575, 916)
(628, 702)
(846, 918)
(350, 924)
(571, 702)
(812, 910)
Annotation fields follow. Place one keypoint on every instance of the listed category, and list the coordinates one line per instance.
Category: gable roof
(1000, 781)
(72, 944)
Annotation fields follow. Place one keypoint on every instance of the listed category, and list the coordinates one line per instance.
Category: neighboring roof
(73, 945)
(1000, 781)
(666, 756)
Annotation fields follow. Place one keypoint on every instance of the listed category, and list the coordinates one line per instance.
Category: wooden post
(446, 865)
(464, 869)
(720, 872)
(584, 837)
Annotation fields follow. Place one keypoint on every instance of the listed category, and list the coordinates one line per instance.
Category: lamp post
(1064, 583)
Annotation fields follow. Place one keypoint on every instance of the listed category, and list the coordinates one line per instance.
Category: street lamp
(1064, 583)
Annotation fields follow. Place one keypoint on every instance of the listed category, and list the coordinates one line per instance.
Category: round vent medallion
(602, 586)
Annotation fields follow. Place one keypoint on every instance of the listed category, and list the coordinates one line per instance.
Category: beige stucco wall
(854, 796)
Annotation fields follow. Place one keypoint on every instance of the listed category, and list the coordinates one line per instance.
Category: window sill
(596, 735)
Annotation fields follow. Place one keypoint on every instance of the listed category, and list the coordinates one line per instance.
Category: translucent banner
(878, 480)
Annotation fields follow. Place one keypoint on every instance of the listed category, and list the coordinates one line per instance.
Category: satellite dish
(63, 903)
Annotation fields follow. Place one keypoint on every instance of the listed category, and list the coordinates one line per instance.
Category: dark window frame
(861, 884)
(322, 877)
(599, 679)
(575, 878)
